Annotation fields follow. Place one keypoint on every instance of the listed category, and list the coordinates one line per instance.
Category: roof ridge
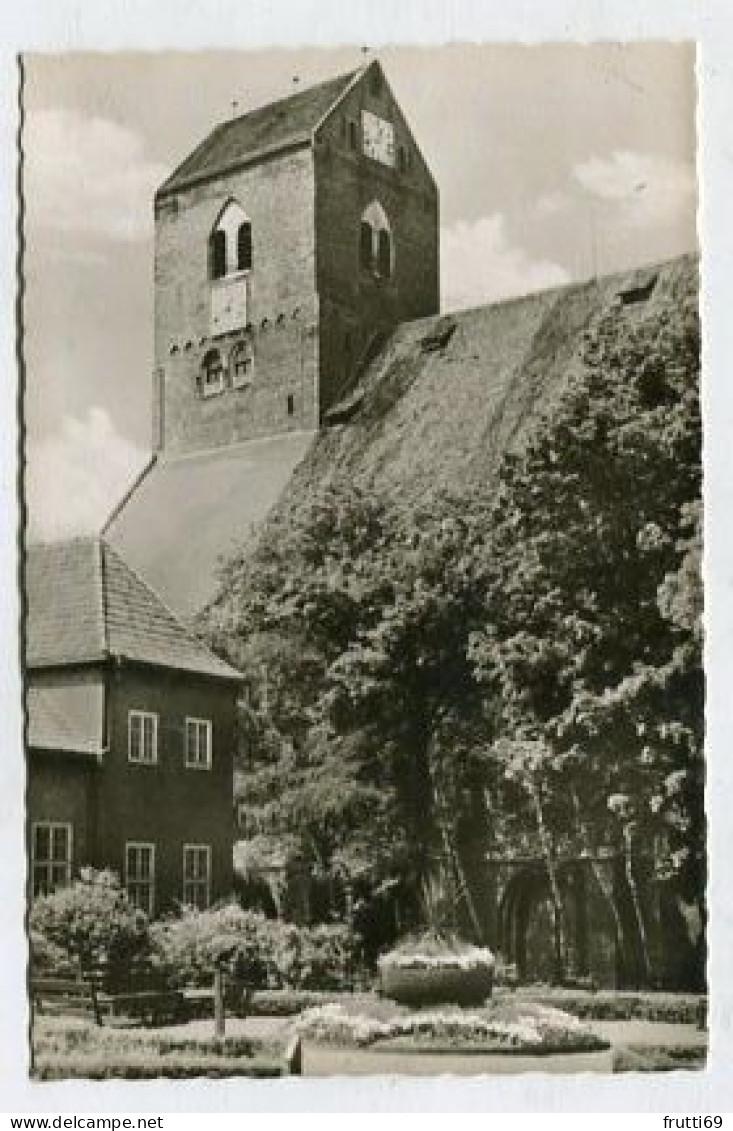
(288, 97)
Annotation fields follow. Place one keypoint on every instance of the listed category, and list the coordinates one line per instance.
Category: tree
(591, 642)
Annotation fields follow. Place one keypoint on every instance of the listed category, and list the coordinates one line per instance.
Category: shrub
(659, 1058)
(93, 925)
(261, 952)
(191, 945)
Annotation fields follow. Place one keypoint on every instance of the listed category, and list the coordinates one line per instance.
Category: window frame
(50, 863)
(198, 723)
(195, 882)
(136, 882)
(143, 716)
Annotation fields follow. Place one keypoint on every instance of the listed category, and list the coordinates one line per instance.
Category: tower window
(218, 254)
(291, 404)
(375, 83)
(384, 254)
(376, 250)
(242, 365)
(244, 247)
(403, 159)
(353, 135)
(212, 374)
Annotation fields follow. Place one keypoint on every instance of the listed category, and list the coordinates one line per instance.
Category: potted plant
(432, 968)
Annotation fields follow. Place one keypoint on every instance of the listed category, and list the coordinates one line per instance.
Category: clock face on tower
(377, 138)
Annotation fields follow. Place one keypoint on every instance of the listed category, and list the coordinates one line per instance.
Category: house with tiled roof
(130, 733)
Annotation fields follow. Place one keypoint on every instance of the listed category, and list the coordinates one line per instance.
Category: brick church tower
(287, 246)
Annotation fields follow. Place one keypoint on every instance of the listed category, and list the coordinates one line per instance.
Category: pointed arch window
(376, 247)
(230, 242)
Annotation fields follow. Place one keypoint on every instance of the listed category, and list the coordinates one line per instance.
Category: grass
(659, 1058)
(65, 1048)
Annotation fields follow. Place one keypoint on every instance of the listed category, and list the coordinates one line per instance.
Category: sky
(554, 163)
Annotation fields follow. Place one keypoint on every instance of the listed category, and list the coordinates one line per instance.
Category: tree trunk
(636, 904)
(604, 887)
(557, 907)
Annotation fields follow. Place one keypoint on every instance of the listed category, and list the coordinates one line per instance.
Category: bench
(75, 997)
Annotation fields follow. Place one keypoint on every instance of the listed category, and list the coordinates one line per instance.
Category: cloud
(75, 477)
(479, 265)
(648, 189)
(88, 176)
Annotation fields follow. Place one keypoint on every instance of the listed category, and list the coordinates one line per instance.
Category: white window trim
(198, 764)
(142, 715)
(191, 882)
(151, 882)
(51, 826)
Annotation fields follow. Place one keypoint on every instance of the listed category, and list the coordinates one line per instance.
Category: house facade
(130, 734)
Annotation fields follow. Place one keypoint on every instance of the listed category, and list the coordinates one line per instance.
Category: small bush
(263, 953)
(93, 926)
(614, 1005)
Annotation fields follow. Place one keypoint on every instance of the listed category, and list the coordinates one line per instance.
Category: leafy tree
(592, 636)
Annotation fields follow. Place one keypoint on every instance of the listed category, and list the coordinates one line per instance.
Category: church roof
(86, 605)
(278, 125)
(190, 512)
(450, 395)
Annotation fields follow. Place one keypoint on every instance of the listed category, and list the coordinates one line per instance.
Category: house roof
(85, 604)
(268, 129)
(188, 513)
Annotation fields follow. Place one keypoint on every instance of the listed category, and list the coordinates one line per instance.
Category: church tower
(287, 246)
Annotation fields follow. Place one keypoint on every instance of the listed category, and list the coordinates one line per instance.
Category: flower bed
(505, 1027)
(620, 1005)
(430, 970)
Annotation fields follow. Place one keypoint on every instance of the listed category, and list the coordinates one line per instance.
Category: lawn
(66, 1047)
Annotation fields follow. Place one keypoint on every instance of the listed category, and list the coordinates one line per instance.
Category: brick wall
(354, 303)
(168, 804)
(282, 309)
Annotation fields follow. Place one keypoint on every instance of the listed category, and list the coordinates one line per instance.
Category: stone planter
(434, 985)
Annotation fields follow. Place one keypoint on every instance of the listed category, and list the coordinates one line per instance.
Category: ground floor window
(51, 852)
(140, 875)
(197, 875)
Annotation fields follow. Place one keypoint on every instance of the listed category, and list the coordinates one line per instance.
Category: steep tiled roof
(85, 604)
(189, 512)
(264, 130)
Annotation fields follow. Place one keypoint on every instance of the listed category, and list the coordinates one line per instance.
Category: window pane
(365, 245)
(135, 729)
(385, 254)
(60, 843)
(218, 255)
(41, 847)
(244, 247)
